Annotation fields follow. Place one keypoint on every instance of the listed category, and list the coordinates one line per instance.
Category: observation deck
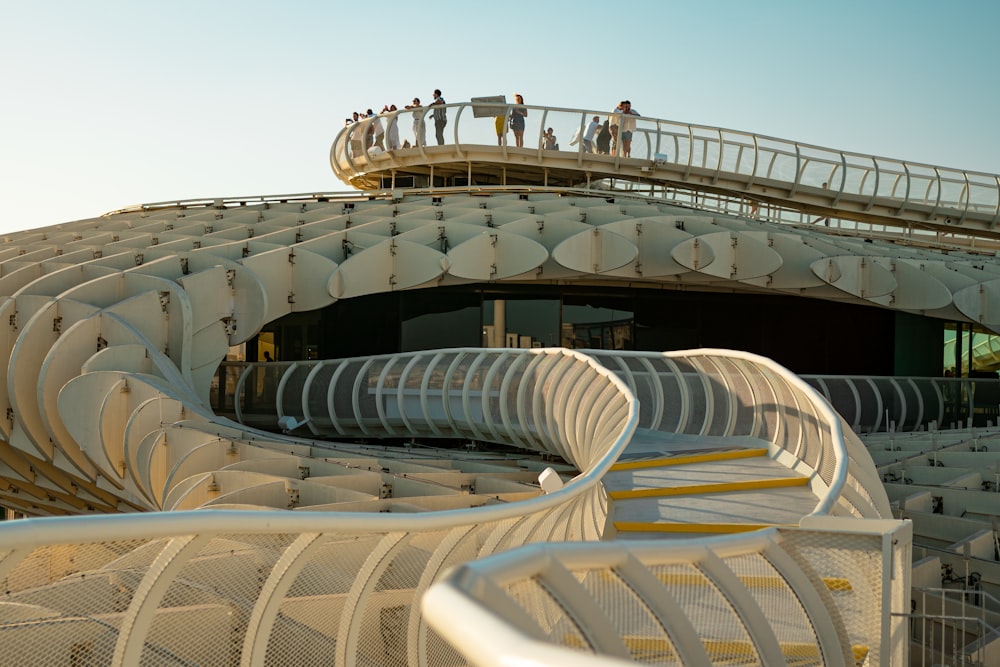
(778, 173)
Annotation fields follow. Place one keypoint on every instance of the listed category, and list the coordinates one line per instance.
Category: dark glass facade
(805, 335)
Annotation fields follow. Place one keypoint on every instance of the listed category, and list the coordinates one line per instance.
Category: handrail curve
(739, 158)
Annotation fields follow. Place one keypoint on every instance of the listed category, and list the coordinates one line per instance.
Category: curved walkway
(345, 584)
(789, 174)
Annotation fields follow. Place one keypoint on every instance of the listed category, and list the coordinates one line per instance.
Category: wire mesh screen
(847, 572)
(645, 636)
(780, 606)
(719, 628)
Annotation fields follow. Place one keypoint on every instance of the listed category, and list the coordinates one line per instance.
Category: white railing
(830, 586)
(728, 158)
(292, 587)
(526, 398)
(730, 394)
(709, 393)
(872, 403)
(298, 587)
(953, 627)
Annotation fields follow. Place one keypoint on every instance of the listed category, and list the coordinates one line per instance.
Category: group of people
(387, 137)
(600, 138)
(383, 137)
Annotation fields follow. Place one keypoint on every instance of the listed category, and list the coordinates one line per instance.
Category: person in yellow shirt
(501, 124)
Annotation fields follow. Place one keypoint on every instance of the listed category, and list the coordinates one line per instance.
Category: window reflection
(434, 320)
(523, 323)
(597, 323)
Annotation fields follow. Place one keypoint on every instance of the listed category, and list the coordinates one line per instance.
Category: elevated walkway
(712, 491)
(286, 587)
(822, 182)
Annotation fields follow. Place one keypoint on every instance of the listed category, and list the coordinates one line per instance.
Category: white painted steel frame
(912, 410)
(915, 194)
(501, 636)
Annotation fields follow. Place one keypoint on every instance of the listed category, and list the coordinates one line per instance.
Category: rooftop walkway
(759, 170)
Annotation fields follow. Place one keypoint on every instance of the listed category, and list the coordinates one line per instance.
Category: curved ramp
(765, 170)
(289, 587)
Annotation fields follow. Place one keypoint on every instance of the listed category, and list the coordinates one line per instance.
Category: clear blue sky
(109, 103)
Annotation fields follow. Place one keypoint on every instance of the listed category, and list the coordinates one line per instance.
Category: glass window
(523, 323)
(599, 323)
(439, 319)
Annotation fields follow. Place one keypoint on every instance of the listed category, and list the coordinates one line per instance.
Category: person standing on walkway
(440, 116)
(517, 116)
(419, 129)
(590, 135)
(628, 127)
(392, 127)
(377, 130)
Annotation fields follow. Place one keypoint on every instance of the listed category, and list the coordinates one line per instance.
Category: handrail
(819, 447)
(830, 456)
(923, 197)
(670, 585)
(909, 403)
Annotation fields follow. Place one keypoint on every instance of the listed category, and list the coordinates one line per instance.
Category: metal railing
(952, 627)
(741, 395)
(292, 587)
(839, 597)
(711, 393)
(670, 150)
(885, 403)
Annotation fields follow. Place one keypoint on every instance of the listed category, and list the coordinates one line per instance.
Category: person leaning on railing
(419, 129)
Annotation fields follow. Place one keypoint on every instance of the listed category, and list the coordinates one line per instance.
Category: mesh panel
(316, 400)
(310, 615)
(437, 651)
(697, 403)
(742, 386)
(782, 608)
(719, 628)
(291, 397)
(718, 396)
(550, 617)
(645, 638)
(202, 618)
(382, 629)
(843, 398)
(847, 572)
(343, 404)
(65, 603)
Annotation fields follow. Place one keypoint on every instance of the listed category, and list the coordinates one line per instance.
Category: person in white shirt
(588, 136)
(377, 130)
(419, 128)
(392, 127)
(549, 141)
(628, 127)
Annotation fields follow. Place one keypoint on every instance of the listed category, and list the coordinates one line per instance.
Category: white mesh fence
(802, 596)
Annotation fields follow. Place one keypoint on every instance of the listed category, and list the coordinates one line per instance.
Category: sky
(111, 103)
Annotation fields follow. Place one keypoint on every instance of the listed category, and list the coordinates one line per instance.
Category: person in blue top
(517, 116)
(440, 116)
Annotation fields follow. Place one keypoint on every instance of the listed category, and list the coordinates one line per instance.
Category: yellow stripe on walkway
(694, 458)
(648, 527)
(719, 487)
(652, 648)
(765, 581)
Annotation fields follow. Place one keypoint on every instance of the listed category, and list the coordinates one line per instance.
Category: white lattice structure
(808, 595)
(113, 330)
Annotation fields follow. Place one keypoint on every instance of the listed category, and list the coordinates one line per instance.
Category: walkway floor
(674, 486)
